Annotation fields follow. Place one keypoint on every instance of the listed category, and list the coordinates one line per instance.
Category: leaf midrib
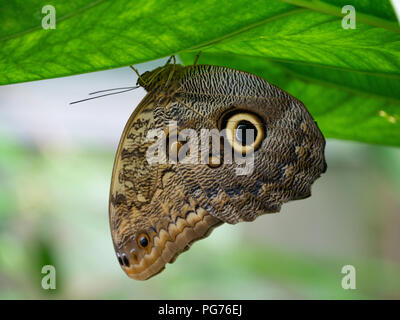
(242, 30)
(319, 65)
(324, 8)
(319, 6)
(320, 81)
(313, 5)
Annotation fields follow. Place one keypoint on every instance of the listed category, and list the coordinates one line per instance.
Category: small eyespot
(244, 132)
(119, 259)
(125, 260)
(143, 241)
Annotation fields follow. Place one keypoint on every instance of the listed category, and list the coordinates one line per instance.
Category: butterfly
(158, 209)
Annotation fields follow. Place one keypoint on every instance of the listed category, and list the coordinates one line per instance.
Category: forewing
(290, 158)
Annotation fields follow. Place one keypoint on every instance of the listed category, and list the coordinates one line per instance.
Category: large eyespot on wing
(288, 158)
(288, 145)
(244, 131)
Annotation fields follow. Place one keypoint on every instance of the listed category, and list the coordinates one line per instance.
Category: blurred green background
(55, 170)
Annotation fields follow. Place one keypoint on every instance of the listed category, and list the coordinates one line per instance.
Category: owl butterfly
(158, 210)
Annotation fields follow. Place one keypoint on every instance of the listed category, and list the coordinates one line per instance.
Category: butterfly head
(159, 77)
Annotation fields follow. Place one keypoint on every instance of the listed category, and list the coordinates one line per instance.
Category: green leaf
(341, 112)
(348, 78)
(99, 35)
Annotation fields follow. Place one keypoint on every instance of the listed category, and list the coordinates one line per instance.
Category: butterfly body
(158, 210)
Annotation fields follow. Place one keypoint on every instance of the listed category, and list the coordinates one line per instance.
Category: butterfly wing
(152, 216)
(288, 159)
(158, 209)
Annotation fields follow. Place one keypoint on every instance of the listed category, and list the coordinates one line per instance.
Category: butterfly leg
(172, 70)
(169, 60)
(197, 58)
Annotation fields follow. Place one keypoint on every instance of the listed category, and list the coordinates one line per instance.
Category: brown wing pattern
(150, 201)
(158, 210)
(288, 161)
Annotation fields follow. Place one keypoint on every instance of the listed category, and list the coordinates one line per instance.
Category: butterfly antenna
(124, 89)
(138, 74)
